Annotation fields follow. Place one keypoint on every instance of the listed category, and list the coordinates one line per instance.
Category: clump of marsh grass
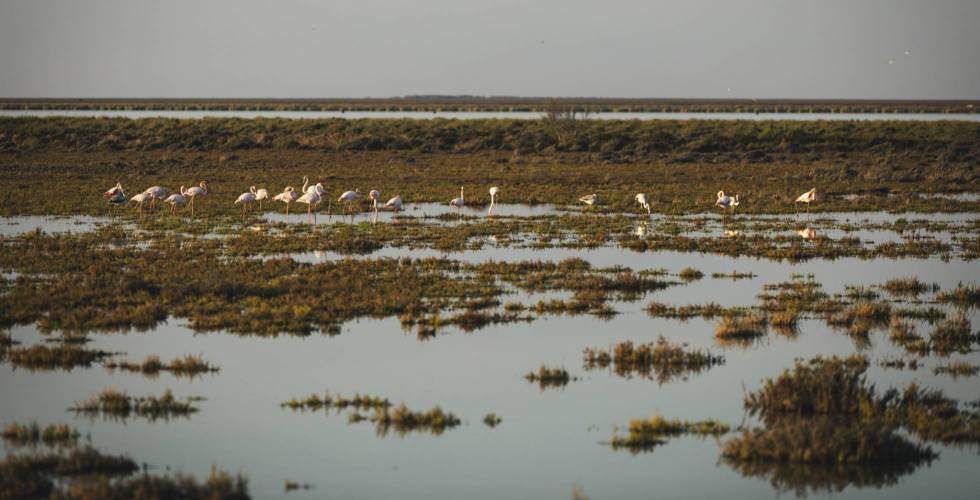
(689, 274)
(188, 365)
(957, 370)
(740, 329)
(665, 359)
(952, 335)
(117, 404)
(821, 386)
(962, 295)
(645, 434)
(492, 420)
(547, 377)
(54, 435)
(403, 420)
(908, 287)
(734, 275)
(60, 356)
(294, 486)
(339, 402)
(708, 310)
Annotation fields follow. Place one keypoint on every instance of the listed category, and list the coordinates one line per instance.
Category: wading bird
(139, 199)
(589, 200)
(261, 194)
(177, 199)
(114, 191)
(316, 188)
(349, 197)
(807, 198)
(494, 191)
(194, 191)
(246, 199)
(641, 198)
(458, 203)
(287, 196)
(156, 193)
(375, 196)
(727, 201)
(394, 204)
(807, 234)
(311, 199)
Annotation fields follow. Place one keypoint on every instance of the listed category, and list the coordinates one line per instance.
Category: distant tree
(564, 120)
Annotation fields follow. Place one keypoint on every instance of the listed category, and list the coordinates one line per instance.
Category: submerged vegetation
(54, 435)
(549, 377)
(189, 365)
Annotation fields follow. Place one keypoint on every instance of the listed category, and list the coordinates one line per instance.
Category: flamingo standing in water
(394, 204)
(261, 194)
(156, 193)
(727, 201)
(311, 199)
(139, 199)
(589, 200)
(287, 196)
(494, 191)
(375, 196)
(349, 197)
(177, 199)
(807, 198)
(458, 203)
(641, 198)
(115, 196)
(194, 191)
(246, 199)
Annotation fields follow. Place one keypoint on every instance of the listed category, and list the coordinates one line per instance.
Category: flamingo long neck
(306, 182)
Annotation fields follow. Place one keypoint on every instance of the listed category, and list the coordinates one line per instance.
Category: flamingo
(114, 191)
(317, 188)
(807, 234)
(375, 196)
(641, 198)
(727, 201)
(807, 198)
(139, 199)
(394, 203)
(246, 199)
(261, 194)
(287, 196)
(494, 191)
(311, 199)
(194, 191)
(177, 199)
(156, 193)
(458, 203)
(589, 199)
(349, 197)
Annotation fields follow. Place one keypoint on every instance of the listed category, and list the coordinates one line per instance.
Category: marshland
(444, 352)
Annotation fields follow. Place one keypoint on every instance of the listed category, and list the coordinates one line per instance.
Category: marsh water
(550, 440)
(501, 115)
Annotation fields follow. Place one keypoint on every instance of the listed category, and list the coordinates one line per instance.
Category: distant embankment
(502, 104)
(672, 140)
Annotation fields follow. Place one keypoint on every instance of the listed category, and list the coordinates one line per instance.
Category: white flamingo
(375, 196)
(589, 200)
(394, 204)
(177, 199)
(807, 234)
(194, 191)
(287, 196)
(311, 199)
(156, 193)
(727, 201)
(139, 199)
(641, 198)
(317, 188)
(458, 203)
(807, 197)
(114, 191)
(246, 199)
(349, 197)
(494, 191)
(261, 194)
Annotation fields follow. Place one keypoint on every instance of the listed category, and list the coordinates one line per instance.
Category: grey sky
(352, 48)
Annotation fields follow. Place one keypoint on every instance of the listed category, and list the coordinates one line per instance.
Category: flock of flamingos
(315, 194)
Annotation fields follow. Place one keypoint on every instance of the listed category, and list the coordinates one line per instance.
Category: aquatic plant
(741, 328)
(117, 404)
(645, 434)
(962, 295)
(956, 370)
(492, 420)
(667, 360)
(60, 356)
(339, 402)
(549, 377)
(33, 434)
(403, 420)
(189, 365)
(909, 286)
(820, 386)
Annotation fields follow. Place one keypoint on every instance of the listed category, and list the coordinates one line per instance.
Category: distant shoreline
(499, 104)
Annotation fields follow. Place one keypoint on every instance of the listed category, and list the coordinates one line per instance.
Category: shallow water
(503, 115)
(549, 440)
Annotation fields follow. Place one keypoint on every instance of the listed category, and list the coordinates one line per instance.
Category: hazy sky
(351, 48)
